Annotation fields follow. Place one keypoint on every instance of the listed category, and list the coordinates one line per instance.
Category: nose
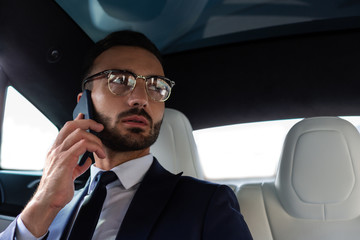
(138, 97)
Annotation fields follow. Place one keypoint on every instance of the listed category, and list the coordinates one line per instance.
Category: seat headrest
(175, 147)
(318, 175)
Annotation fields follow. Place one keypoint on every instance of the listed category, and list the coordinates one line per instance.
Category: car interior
(315, 192)
(236, 63)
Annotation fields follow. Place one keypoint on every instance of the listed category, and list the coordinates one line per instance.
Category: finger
(79, 170)
(84, 145)
(71, 126)
(77, 136)
(70, 157)
(80, 116)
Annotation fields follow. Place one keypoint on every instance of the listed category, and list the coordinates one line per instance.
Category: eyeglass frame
(106, 73)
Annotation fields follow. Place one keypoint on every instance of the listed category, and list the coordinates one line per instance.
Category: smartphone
(85, 107)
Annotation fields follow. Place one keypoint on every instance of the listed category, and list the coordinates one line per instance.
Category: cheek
(98, 101)
(158, 112)
(97, 96)
(102, 104)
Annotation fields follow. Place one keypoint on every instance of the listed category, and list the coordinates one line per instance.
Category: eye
(118, 79)
(158, 89)
(157, 84)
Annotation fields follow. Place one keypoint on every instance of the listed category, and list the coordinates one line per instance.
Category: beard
(134, 139)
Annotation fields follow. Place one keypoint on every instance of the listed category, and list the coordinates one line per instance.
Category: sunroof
(171, 23)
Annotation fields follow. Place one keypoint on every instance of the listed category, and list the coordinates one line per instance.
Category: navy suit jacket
(168, 206)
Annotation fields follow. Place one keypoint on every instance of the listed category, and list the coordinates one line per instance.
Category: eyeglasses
(122, 82)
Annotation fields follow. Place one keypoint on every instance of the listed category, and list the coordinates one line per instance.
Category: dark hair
(119, 38)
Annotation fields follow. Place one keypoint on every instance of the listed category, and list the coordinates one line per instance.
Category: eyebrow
(126, 69)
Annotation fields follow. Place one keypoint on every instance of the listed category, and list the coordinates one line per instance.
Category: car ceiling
(233, 61)
(176, 24)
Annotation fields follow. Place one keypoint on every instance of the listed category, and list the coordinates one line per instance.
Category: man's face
(132, 122)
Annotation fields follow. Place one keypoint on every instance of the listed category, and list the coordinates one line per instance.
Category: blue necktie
(90, 210)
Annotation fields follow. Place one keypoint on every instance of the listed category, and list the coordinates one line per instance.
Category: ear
(79, 96)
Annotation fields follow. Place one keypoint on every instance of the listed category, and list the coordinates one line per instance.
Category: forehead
(135, 59)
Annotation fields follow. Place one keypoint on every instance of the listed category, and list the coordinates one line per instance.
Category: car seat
(316, 191)
(175, 147)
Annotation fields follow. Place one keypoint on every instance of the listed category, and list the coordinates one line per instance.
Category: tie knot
(107, 177)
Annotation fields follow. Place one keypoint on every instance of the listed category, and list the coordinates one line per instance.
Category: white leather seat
(316, 193)
(175, 147)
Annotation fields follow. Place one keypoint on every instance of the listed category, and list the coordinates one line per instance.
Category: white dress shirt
(117, 201)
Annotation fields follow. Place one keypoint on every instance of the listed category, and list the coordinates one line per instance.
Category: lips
(135, 121)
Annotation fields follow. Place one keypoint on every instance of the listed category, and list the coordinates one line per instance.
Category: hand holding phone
(85, 107)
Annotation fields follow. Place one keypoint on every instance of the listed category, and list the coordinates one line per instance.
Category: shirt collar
(129, 173)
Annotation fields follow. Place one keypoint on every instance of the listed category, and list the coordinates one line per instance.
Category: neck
(114, 159)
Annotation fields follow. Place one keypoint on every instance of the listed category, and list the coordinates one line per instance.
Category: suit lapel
(148, 202)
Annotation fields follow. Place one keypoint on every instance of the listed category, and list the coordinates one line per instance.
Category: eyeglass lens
(122, 83)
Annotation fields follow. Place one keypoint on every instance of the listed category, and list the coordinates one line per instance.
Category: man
(128, 89)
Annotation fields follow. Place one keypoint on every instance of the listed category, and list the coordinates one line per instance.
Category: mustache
(134, 111)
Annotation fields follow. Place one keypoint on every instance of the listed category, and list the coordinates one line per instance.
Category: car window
(249, 150)
(27, 134)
